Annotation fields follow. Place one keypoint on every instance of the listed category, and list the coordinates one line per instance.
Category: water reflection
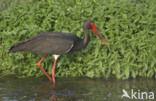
(70, 89)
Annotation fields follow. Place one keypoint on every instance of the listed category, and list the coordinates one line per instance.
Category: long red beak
(97, 33)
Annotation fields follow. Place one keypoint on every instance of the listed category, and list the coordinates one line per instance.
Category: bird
(56, 44)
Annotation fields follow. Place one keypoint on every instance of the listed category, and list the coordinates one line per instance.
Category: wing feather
(47, 43)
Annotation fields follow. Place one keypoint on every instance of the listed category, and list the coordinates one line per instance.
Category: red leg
(53, 73)
(38, 64)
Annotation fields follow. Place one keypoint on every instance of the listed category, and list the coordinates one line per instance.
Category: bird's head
(89, 25)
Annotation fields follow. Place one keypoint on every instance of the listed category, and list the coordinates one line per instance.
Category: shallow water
(73, 89)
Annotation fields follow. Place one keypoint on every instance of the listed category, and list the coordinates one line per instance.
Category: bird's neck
(81, 43)
(86, 37)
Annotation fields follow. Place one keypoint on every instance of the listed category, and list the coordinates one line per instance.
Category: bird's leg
(53, 73)
(38, 64)
(53, 70)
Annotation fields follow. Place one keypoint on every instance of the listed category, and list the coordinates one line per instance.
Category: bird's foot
(53, 85)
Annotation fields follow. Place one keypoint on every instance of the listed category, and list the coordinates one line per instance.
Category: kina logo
(138, 94)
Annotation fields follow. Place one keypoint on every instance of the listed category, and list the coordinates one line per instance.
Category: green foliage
(128, 25)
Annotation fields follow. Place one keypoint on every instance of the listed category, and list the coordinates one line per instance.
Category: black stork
(56, 43)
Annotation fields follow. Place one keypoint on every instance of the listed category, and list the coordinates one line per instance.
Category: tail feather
(23, 45)
(13, 49)
(16, 48)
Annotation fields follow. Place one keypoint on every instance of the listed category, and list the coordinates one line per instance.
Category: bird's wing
(47, 43)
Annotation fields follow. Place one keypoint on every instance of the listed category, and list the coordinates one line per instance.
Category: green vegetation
(128, 25)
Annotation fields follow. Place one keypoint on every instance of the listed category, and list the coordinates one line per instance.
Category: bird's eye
(89, 26)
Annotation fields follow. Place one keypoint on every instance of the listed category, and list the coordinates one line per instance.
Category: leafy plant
(129, 26)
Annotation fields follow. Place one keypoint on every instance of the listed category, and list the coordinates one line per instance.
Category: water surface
(72, 89)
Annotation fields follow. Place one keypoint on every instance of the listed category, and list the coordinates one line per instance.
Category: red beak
(97, 33)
